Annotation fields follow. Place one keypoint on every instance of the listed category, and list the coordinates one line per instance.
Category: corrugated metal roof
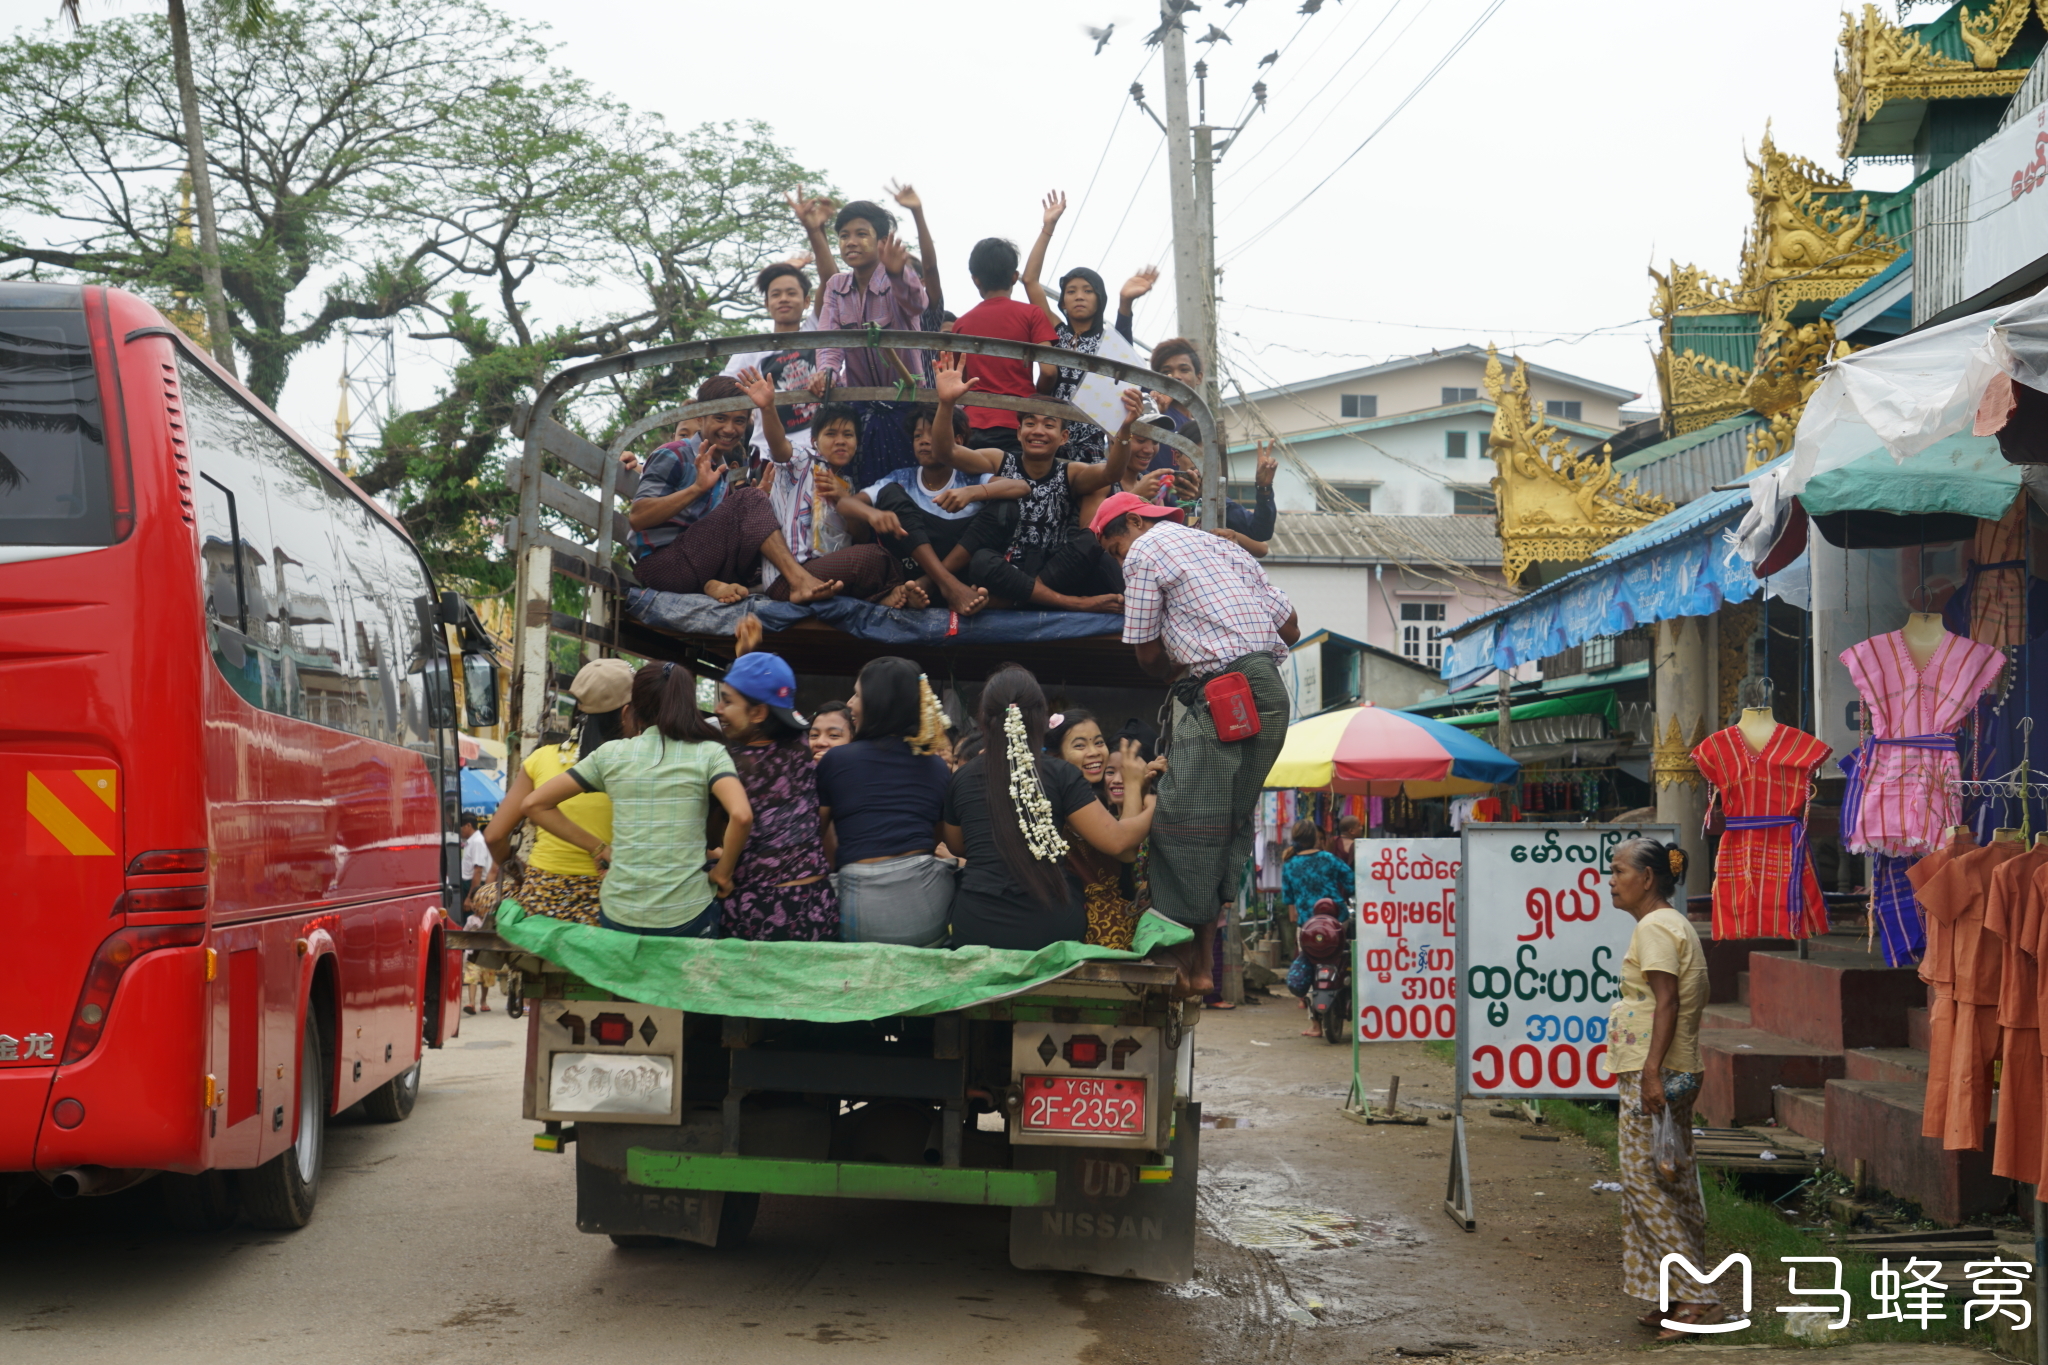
(1303, 537)
(1688, 467)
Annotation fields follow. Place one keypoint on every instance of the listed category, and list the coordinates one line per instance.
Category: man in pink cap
(1197, 609)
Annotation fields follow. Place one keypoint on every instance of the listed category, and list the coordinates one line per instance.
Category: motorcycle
(1325, 940)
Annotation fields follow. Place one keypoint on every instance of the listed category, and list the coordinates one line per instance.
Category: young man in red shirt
(993, 265)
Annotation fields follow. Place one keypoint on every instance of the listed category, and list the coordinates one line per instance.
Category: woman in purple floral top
(782, 889)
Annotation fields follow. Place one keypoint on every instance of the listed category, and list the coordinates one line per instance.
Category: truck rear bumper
(839, 1179)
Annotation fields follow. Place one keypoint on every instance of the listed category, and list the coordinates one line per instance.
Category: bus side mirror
(440, 686)
(480, 690)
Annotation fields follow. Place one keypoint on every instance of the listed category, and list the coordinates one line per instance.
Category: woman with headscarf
(1078, 321)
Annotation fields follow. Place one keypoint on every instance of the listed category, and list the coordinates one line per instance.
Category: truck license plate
(1084, 1104)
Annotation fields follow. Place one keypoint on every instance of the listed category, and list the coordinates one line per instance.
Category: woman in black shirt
(1012, 812)
(880, 798)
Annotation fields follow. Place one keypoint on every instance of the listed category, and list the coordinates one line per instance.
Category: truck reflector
(72, 813)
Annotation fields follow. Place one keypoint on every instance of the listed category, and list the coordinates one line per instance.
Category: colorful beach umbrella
(1368, 751)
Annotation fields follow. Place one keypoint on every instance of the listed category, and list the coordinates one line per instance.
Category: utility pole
(369, 376)
(1213, 480)
(1180, 170)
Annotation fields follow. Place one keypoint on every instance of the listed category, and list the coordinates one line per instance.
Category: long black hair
(665, 699)
(1056, 735)
(1014, 685)
(599, 727)
(891, 705)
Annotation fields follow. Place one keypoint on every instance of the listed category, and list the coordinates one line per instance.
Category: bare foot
(724, 593)
(1311, 1033)
(746, 636)
(898, 596)
(963, 599)
(809, 589)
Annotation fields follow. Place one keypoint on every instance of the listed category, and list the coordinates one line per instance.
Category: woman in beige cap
(561, 879)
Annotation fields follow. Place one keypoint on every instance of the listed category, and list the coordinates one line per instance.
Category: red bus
(228, 776)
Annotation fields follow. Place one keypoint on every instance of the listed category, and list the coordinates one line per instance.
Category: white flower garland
(1034, 811)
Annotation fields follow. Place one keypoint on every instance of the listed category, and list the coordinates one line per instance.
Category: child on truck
(782, 889)
(1036, 555)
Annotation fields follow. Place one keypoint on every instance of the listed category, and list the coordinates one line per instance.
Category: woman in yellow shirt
(1653, 1049)
(561, 879)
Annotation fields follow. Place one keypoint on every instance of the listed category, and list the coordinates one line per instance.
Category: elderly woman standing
(1653, 1048)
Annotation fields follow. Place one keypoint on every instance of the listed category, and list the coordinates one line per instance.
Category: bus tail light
(168, 860)
(156, 900)
(109, 964)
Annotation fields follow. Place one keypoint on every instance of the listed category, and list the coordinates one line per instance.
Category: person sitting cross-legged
(692, 534)
(1036, 555)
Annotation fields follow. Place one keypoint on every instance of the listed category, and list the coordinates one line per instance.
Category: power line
(1442, 62)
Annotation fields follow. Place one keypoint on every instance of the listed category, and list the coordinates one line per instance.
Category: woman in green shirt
(661, 782)
(1653, 1049)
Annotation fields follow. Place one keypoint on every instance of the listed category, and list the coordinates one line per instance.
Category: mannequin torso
(1923, 634)
(1757, 725)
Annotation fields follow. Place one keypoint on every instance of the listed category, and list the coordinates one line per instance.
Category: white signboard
(2008, 218)
(1539, 958)
(1406, 967)
(607, 1083)
(1100, 396)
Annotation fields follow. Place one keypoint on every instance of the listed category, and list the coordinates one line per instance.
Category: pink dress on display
(1907, 771)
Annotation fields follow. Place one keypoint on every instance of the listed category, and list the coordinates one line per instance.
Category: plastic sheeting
(696, 614)
(1905, 396)
(1962, 474)
(824, 983)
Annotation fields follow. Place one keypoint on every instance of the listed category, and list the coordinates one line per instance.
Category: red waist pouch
(1231, 707)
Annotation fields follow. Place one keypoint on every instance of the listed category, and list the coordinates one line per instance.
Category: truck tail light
(168, 860)
(109, 964)
(158, 899)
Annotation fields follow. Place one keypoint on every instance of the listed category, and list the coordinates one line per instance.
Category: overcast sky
(1517, 198)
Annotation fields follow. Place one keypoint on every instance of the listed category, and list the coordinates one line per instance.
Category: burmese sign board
(1406, 966)
(1539, 952)
(2008, 220)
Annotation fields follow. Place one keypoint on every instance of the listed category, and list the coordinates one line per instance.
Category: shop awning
(1678, 565)
(1963, 474)
(1602, 704)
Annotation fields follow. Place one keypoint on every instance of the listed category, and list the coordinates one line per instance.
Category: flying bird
(1270, 57)
(1232, 4)
(1214, 35)
(1310, 6)
(1100, 35)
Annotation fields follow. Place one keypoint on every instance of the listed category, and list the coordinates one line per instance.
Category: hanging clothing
(2016, 1153)
(1764, 882)
(1957, 897)
(1937, 969)
(1900, 932)
(1997, 579)
(1904, 790)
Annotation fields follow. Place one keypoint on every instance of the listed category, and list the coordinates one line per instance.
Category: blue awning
(1678, 565)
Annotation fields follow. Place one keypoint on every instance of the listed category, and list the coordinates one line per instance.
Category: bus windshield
(54, 471)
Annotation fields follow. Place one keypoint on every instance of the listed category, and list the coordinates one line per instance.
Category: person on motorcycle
(1324, 937)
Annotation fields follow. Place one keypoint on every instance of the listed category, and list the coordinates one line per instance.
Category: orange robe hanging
(2034, 946)
(1937, 969)
(2016, 1148)
(1958, 896)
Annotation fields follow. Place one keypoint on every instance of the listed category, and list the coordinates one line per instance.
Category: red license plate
(1084, 1104)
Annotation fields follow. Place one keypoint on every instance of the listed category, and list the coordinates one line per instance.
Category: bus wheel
(280, 1192)
(199, 1203)
(392, 1101)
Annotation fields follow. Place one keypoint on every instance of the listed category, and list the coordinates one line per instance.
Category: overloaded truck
(688, 1078)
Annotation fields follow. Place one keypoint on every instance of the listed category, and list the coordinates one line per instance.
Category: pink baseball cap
(1122, 504)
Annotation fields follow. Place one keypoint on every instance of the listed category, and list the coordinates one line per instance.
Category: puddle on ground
(1274, 1227)
(1226, 1121)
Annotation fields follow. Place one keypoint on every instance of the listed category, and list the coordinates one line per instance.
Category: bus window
(54, 472)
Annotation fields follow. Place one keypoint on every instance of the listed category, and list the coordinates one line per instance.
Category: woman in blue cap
(782, 889)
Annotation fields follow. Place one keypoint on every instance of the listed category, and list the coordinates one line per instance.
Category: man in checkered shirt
(1196, 606)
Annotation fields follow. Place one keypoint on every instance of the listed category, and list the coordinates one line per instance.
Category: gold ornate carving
(1737, 634)
(1552, 505)
(1801, 246)
(1789, 364)
(1693, 292)
(1698, 391)
(1882, 61)
(1671, 762)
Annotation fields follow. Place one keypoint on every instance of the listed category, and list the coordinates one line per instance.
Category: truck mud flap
(1113, 1215)
(606, 1202)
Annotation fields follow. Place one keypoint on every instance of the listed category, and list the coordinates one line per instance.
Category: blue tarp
(1678, 565)
(481, 791)
(696, 614)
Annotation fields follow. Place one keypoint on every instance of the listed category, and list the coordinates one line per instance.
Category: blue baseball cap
(767, 679)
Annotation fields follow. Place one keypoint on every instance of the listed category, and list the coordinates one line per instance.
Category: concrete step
(1804, 1112)
(1831, 1000)
(1742, 987)
(1725, 1016)
(1743, 1067)
(1727, 959)
(1885, 1064)
(1918, 1030)
(1879, 1122)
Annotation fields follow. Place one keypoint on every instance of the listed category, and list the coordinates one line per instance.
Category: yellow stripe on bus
(98, 781)
(66, 828)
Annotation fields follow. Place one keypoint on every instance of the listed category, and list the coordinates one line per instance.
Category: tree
(312, 120)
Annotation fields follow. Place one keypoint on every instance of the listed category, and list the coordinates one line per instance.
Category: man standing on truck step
(1202, 615)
